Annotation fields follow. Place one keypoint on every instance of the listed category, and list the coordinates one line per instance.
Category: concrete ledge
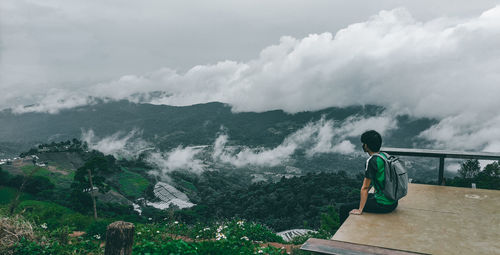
(432, 219)
(344, 248)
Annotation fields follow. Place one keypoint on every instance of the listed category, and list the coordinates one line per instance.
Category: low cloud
(180, 158)
(251, 156)
(57, 101)
(131, 146)
(466, 131)
(323, 136)
(317, 137)
(120, 144)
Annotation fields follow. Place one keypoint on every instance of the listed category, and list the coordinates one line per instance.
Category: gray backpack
(396, 177)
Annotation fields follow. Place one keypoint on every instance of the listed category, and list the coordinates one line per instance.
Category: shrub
(52, 246)
(98, 228)
(36, 184)
(76, 221)
(44, 212)
(4, 177)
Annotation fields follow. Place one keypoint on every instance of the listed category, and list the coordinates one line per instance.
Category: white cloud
(180, 158)
(57, 101)
(356, 125)
(131, 145)
(120, 144)
(323, 136)
(248, 156)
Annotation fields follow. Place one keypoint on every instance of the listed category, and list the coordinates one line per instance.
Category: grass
(132, 184)
(54, 215)
(54, 177)
(8, 193)
(40, 172)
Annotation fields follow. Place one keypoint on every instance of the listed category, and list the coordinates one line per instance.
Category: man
(374, 175)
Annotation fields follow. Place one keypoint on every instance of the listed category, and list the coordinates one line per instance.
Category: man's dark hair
(372, 139)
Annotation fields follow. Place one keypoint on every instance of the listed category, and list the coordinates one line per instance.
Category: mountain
(170, 126)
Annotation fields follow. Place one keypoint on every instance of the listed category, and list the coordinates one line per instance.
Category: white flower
(206, 229)
(97, 236)
(139, 233)
(220, 236)
(176, 222)
(150, 218)
(240, 223)
(44, 225)
(245, 238)
(157, 231)
(261, 251)
(197, 236)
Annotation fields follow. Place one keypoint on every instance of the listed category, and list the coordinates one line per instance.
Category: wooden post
(92, 194)
(119, 238)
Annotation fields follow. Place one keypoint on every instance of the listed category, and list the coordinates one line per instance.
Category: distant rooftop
(434, 220)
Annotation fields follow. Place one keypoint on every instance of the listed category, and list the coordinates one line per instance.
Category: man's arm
(364, 196)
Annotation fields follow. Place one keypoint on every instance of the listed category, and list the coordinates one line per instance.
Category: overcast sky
(438, 59)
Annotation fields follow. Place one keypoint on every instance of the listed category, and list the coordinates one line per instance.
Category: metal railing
(441, 154)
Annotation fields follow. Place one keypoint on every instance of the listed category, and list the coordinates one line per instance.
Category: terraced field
(170, 196)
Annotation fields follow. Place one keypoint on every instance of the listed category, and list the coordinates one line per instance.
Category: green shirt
(375, 171)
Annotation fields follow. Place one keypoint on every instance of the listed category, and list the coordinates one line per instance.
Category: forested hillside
(170, 126)
(48, 190)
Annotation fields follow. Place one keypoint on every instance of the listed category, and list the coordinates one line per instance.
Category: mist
(315, 138)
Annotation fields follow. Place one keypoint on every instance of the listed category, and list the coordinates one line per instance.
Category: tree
(330, 221)
(469, 169)
(492, 169)
(489, 178)
(15, 202)
(37, 184)
(89, 177)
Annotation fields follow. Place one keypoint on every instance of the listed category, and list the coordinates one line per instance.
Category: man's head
(372, 140)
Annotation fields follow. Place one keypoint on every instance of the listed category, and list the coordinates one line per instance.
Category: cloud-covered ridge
(323, 136)
(317, 137)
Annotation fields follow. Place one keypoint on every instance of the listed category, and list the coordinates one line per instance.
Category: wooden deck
(434, 220)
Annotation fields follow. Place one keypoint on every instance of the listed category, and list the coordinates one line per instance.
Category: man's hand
(356, 211)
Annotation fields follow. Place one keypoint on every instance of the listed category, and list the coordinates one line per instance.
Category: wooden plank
(344, 248)
(441, 153)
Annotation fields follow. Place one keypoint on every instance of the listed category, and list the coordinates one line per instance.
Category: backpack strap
(380, 156)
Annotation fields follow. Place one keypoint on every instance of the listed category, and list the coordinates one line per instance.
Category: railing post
(441, 171)
(119, 238)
